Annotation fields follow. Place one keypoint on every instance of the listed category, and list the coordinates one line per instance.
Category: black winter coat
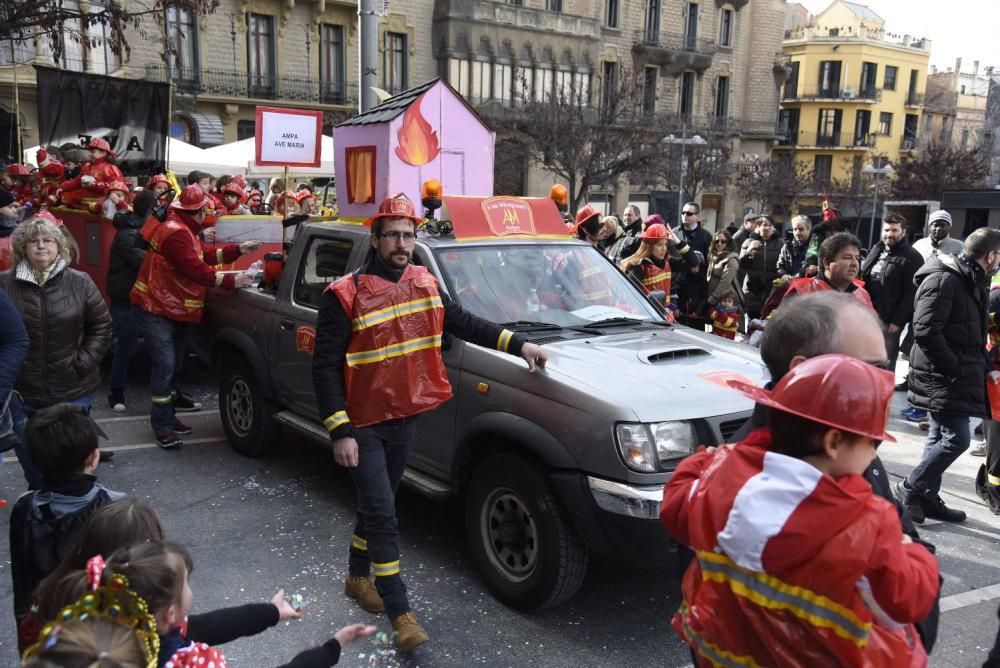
(70, 330)
(761, 269)
(125, 257)
(699, 239)
(948, 363)
(892, 293)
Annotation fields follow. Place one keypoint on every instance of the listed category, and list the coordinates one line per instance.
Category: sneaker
(169, 441)
(914, 414)
(185, 404)
(979, 450)
(362, 589)
(116, 399)
(181, 428)
(935, 509)
(979, 429)
(925, 425)
(911, 500)
(105, 455)
(409, 633)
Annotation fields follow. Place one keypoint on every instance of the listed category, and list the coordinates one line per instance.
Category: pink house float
(427, 132)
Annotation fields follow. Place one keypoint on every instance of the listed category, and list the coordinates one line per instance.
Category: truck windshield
(559, 284)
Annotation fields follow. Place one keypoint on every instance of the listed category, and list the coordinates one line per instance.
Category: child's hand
(285, 609)
(907, 539)
(349, 634)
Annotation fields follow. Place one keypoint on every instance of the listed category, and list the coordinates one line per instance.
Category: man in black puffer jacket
(128, 248)
(948, 364)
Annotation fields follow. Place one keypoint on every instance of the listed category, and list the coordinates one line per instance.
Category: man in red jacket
(169, 294)
(797, 562)
(840, 257)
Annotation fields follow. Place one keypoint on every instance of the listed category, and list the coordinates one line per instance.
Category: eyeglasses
(405, 237)
(690, 213)
(720, 241)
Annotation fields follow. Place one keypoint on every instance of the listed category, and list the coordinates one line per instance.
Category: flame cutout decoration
(418, 141)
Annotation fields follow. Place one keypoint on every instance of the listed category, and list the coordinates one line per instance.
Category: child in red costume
(159, 184)
(21, 184)
(48, 179)
(797, 562)
(725, 317)
(232, 200)
(95, 177)
(118, 199)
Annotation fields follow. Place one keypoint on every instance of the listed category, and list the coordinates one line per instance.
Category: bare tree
(583, 141)
(777, 184)
(940, 167)
(61, 20)
(706, 166)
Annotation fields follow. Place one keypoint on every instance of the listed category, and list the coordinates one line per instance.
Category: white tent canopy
(182, 158)
(243, 153)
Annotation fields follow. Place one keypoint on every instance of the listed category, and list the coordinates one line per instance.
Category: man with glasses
(376, 367)
(692, 282)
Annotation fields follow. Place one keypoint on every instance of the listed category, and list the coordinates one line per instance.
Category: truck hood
(658, 373)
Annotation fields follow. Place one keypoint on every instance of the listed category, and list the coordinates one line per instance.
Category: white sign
(288, 137)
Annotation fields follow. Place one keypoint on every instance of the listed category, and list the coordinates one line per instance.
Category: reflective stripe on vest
(713, 653)
(394, 350)
(395, 311)
(768, 591)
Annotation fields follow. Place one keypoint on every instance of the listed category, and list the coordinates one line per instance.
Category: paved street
(256, 525)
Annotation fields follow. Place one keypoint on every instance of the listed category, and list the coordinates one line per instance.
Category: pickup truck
(551, 465)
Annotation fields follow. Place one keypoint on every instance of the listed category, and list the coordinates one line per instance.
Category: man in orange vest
(169, 294)
(377, 366)
(840, 257)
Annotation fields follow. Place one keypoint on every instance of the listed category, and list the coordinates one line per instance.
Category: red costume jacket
(802, 286)
(175, 273)
(725, 321)
(75, 194)
(793, 567)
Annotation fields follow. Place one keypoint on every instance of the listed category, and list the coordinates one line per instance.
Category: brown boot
(362, 589)
(409, 633)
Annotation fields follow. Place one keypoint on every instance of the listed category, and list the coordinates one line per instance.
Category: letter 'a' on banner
(288, 137)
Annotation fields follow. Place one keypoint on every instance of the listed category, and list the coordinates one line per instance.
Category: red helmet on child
(836, 390)
(18, 169)
(101, 145)
(234, 188)
(158, 179)
(192, 199)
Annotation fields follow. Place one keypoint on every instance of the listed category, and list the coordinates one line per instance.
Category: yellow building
(856, 91)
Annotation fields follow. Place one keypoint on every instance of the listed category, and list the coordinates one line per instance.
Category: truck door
(326, 257)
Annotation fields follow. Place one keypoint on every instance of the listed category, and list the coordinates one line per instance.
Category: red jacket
(793, 567)
(175, 273)
(653, 278)
(802, 286)
(725, 321)
(74, 193)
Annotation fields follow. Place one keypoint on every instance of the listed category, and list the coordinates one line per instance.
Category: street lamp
(684, 140)
(878, 172)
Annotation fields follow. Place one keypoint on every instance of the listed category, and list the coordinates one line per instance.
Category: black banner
(131, 114)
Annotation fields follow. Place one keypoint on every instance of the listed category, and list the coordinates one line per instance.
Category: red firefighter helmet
(53, 168)
(255, 196)
(101, 145)
(233, 188)
(159, 178)
(584, 215)
(395, 206)
(836, 390)
(120, 186)
(654, 232)
(192, 199)
(304, 194)
(18, 169)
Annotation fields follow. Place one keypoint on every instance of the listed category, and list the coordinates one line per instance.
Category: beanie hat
(940, 214)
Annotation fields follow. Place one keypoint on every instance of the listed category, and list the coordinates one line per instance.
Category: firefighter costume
(23, 189)
(376, 366)
(50, 176)
(804, 286)
(91, 185)
(794, 567)
(725, 321)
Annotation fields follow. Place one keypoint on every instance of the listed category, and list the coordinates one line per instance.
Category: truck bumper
(617, 519)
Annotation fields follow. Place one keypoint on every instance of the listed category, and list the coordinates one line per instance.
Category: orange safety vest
(159, 288)
(803, 286)
(654, 278)
(594, 284)
(393, 368)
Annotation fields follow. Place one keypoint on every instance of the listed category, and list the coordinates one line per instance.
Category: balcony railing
(675, 42)
(229, 83)
(914, 99)
(845, 94)
(908, 143)
(836, 141)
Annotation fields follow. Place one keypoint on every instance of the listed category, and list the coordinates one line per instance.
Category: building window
(524, 88)
(246, 129)
(829, 78)
(394, 71)
(16, 51)
(649, 90)
(822, 169)
(687, 94)
(889, 83)
(482, 84)
(721, 98)
(458, 75)
(182, 37)
(788, 126)
(910, 122)
(260, 55)
(102, 59)
(869, 77)
(518, 3)
(726, 27)
(503, 74)
(332, 69)
(862, 127)
(792, 85)
(581, 87)
(885, 123)
(543, 84)
(360, 174)
(911, 93)
(181, 128)
(553, 5)
(828, 128)
(609, 83)
(68, 36)
(691, 33)
(564, 86)
(653, 21)
(965, 139)
(611, 16)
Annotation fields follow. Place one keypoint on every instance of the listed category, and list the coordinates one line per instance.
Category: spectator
(589, 227)
(91, 641)
(949, 365)
(939, 239)
(201, 179)
(14, 345)
(988, 477)
(128, 249)
(630, 240)
(725, 317)
(62, 442)
(613, 234)
(792, 257)
(11, 214)
(888, 277)
(821, 530)
(169, 294)
(275, 189)
(841, 261)
(723, 267)
(750, 223)
(692, 282)
(69, 322)
(759, 259)
(652, 266)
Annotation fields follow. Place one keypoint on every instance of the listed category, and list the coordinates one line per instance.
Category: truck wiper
(530, 324)
(618, 322)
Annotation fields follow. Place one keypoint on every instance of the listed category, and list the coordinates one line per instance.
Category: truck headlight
(644, 447)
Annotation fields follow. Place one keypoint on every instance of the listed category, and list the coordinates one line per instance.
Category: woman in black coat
(759, 259)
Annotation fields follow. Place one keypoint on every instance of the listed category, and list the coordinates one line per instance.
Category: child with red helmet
(95, 176)
(231, 203)
(159, 184)
(21, 184)
(117, 199)
(798, 563)
(51, 173)
(659, 253)
(255, 201)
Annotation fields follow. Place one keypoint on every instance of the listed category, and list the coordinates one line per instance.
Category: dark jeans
(382, 452)
(127, 336)
(892, 348)
(165, 341)
(21, 412)
(948, 438)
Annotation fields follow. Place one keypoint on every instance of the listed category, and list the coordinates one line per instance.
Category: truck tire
(520, 536)
(247, 415)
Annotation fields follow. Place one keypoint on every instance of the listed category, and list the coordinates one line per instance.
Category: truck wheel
(520, 536)
(247, 415)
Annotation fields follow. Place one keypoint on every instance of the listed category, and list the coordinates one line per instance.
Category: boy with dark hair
(62, 443)
(797, 562)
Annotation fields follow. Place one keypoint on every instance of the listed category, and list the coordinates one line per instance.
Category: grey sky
(965, 29)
